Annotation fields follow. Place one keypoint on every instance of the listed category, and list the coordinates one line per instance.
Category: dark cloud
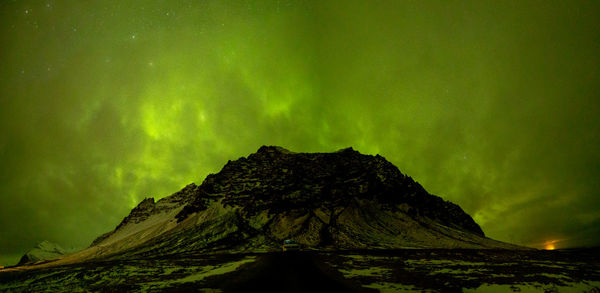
(493, 106)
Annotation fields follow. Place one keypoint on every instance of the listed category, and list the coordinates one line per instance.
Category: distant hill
(44, 250)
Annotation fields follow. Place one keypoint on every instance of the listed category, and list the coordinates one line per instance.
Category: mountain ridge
(256, 201)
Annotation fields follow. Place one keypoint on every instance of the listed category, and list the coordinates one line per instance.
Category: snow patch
(204, 272)
(582, 287)
(370, 272)
(385, 287)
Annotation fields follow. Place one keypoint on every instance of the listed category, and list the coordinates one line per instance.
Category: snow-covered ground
(472, 270)
(408, 270)
(154, 275)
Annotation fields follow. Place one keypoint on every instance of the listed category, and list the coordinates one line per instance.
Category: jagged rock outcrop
(148, 217)
(44, 250)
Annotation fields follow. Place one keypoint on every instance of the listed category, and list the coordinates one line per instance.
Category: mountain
(44, 250)
(340, 200)
(325, 201)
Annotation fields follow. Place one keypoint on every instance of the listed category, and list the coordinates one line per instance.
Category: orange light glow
(549, 245)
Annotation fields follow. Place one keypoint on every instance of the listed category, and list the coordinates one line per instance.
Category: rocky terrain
(405, 270)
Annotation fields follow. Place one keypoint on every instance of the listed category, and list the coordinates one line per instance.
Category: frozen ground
(472, 270)
(149, 275)
(312, 271)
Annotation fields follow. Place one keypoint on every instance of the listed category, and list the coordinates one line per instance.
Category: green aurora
(493, 105)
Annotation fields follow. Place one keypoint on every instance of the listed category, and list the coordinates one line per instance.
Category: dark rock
(279, 180)
(141, 212)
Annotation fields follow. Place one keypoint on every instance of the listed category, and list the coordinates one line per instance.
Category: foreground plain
(440, 270)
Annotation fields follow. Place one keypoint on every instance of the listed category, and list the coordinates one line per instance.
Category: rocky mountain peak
(273, 149)
(347, 150)
(278, 180)
(338, 200)
(140, 213)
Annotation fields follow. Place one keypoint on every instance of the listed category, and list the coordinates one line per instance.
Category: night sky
(493, 106)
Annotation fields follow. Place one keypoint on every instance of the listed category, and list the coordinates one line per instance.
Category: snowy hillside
(44, 250)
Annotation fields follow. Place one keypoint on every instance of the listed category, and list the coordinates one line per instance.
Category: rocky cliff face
(340, 200)
(276, 180)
